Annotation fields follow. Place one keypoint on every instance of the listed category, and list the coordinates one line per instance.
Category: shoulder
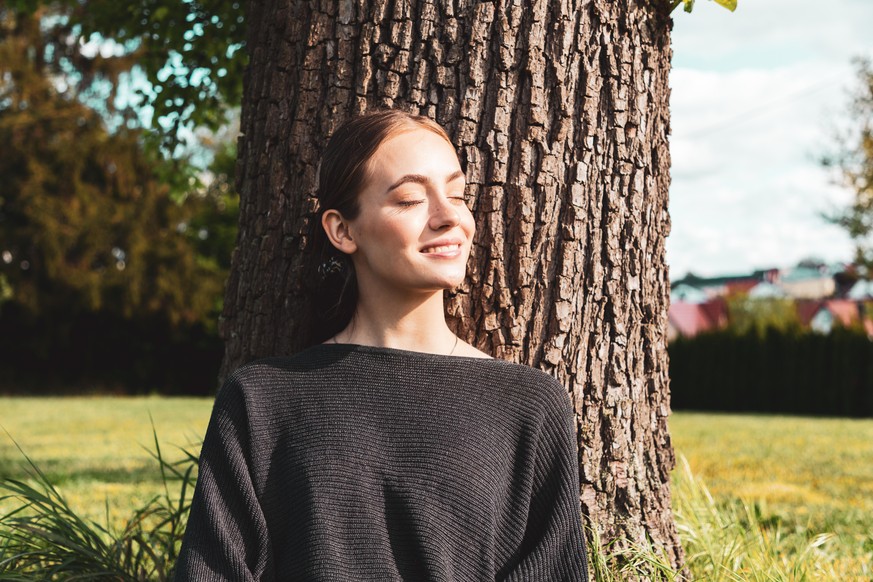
(531, 387)
(264, 372)
(256, 383)
(528, 377)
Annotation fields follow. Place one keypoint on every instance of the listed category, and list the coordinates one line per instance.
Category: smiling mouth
(442, 249)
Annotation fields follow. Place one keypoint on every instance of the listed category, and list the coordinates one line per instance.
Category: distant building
(687, 294)
(766, 290)
(689, 319)
(807, 283)
(726, 284)
(699, 304)
(863, 289)
(823, 316)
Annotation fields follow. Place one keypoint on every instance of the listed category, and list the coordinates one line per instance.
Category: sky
(756, 96)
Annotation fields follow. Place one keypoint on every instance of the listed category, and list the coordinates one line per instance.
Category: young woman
(392, 450)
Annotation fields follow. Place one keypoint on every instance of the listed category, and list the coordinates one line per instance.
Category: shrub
(44, 539)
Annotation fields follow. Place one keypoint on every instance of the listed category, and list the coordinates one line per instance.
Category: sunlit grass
(96, 450)
(806, 475)
(811, 466)
(43, 537)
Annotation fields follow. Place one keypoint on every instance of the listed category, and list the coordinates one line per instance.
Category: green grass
(810, 466)
(778, 484)
(799, 476)
(96, 450)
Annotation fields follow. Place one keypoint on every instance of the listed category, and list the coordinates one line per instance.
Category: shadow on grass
(61, 472)
(43, 538)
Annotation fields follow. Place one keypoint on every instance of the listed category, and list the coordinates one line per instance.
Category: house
(807, 283)
(861, 290)
(766, 290)
(722, 285)
(823, 316)
(688, 294)
(699, 303)
(689, 319)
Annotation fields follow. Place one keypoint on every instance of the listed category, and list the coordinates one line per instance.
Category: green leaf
(688, 5)
(729, 4)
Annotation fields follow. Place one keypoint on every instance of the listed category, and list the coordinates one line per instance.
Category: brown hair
(343, 175)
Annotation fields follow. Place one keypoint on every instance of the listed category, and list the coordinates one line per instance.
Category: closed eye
(409, 202)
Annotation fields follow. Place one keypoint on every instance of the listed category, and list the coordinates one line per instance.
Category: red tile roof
(741, 286)
(806, 309)
(844, 310)
(689, 319)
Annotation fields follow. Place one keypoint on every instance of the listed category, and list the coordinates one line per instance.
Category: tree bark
(559, 111)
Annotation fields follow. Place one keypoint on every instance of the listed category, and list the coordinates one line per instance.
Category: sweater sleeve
(553, 547)
(226, 537)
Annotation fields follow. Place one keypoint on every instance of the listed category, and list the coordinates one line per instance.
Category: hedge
(788, 372)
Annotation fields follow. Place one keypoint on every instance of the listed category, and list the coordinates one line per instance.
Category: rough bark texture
(559, 110)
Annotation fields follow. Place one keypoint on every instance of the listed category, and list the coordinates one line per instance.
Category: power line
(756, 112)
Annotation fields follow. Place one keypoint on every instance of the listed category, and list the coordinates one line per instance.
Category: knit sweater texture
(360, 463)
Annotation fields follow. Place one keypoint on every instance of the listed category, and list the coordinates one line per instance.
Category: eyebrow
(420, 179)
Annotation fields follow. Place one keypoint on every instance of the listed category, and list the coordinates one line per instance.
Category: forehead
(415, 151)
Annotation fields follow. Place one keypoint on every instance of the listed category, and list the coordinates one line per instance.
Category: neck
(414, 322)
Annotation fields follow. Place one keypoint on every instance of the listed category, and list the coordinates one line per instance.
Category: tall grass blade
(43, 538)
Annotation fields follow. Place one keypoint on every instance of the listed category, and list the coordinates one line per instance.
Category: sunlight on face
(414, 231)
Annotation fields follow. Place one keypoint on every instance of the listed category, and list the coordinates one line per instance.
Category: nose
(443, 213)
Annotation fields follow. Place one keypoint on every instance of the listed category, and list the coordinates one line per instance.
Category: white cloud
(750, 117)
(769, 32)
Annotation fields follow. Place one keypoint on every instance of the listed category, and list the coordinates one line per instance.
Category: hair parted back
(343, 175)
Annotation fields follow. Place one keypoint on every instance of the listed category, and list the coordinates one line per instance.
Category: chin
(444, 283)
(453, 280)
(449, 286)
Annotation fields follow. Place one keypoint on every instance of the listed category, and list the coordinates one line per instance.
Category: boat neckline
(397, 351)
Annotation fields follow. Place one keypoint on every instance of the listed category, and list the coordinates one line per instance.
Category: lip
(457, 243)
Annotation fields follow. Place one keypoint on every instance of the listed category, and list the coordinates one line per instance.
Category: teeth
(442, 249)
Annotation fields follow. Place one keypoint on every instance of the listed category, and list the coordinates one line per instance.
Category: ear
(337, 229)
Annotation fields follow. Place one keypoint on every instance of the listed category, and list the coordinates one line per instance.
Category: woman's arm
(226, 537)
(553, 547)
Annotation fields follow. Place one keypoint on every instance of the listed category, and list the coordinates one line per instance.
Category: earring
(331, 266)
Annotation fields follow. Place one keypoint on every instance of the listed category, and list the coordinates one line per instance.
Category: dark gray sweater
(348, 462)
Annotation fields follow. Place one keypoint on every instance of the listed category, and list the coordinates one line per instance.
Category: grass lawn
(97, 449)
(804, 475)
(812, 468)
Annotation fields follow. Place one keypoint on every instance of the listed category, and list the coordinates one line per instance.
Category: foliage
(89, 219)
(64, 352)
(853, 159)
(184, 56)
(44, 539)
(213, 229)
(757, 314)
(688, 5)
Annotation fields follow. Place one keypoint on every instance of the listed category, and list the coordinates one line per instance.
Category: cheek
(390, 232)
(468, 222)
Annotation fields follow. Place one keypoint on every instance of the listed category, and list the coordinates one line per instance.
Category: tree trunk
(559, 111)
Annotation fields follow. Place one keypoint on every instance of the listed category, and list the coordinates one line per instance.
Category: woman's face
(414, 230)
